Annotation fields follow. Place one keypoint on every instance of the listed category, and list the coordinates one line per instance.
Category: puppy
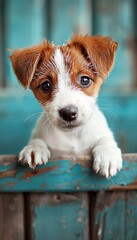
(66, 80)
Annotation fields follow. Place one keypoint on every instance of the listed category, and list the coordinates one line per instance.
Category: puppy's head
(66, 79)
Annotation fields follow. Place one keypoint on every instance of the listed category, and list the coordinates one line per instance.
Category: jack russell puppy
(66, 80)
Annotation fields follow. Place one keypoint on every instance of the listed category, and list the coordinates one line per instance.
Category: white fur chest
(77, 142)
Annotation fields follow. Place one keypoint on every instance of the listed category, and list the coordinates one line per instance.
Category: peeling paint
(8, 173)
(38, 172)
(80, 217)
(62, 175)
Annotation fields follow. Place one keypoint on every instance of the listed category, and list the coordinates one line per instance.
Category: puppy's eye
(46, 86)
(85, 81)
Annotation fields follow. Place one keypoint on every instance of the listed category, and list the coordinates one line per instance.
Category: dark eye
(85, 81)
(46, 86)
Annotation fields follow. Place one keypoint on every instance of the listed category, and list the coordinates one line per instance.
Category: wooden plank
(1, 41)
(84, 25)
(121, 117)
(109, 219)
(20, 104)
(115, 216)
(58, 216)
(115, 18)
(64, 175)
(11, 217)
(25, 25)
(119, 110)
(63, 19)
(131, 215)
(68, 17)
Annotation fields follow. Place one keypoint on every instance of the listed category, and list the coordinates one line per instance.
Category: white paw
(107, 160)
(33, 155)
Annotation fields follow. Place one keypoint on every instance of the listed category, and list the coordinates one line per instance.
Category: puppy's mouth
(68, 126)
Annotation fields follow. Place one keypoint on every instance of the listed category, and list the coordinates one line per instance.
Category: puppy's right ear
(25, 62)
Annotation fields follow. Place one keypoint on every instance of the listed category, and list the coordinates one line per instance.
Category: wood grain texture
(1, 42)
(11, 217)
(69, 17)
(109, 218)
(131, 215)
(115, 19)
(64, 175)
(58, 216)
(114, 216)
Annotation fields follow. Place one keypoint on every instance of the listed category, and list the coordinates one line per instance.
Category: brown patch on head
(89, 56)
(98, 51)
(78, 66)
(46, 70)
(33, 66)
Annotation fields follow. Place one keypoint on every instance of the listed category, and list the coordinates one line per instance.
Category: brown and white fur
(66, 81)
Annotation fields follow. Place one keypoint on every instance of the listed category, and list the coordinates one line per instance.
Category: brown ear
(97, 50)
(25, 62)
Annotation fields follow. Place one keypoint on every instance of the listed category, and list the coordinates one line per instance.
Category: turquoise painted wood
(116, 19)
(64, 176)
(24, 25)
(131, 205)
(69, 17)
(59, 216)
(19, 112)
(110, 216)
(115, 216)
(1, 45)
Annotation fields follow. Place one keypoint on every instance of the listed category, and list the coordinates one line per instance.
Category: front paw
(107, 160)
(33, 155)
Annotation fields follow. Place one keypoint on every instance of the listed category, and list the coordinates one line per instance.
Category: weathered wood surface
(116, 19)
(12, 216)
(64, 175)
(57, 216)
(109, 216)
(115, 216)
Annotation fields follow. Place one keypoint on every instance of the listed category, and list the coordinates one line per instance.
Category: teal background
(25, 23)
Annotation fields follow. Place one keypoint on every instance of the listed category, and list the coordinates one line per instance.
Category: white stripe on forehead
(63, 75)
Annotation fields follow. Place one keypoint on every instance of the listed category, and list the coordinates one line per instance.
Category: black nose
(68, 113)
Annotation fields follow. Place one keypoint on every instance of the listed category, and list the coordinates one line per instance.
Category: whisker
(109, 109)
(32, 115)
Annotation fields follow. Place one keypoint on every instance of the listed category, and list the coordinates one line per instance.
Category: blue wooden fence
(76, 207)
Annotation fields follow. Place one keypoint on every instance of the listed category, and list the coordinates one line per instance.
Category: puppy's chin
(68, 127)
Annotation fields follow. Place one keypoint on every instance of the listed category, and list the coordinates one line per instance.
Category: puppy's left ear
(97, 50)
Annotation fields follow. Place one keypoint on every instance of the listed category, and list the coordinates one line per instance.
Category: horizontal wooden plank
(64, 175)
